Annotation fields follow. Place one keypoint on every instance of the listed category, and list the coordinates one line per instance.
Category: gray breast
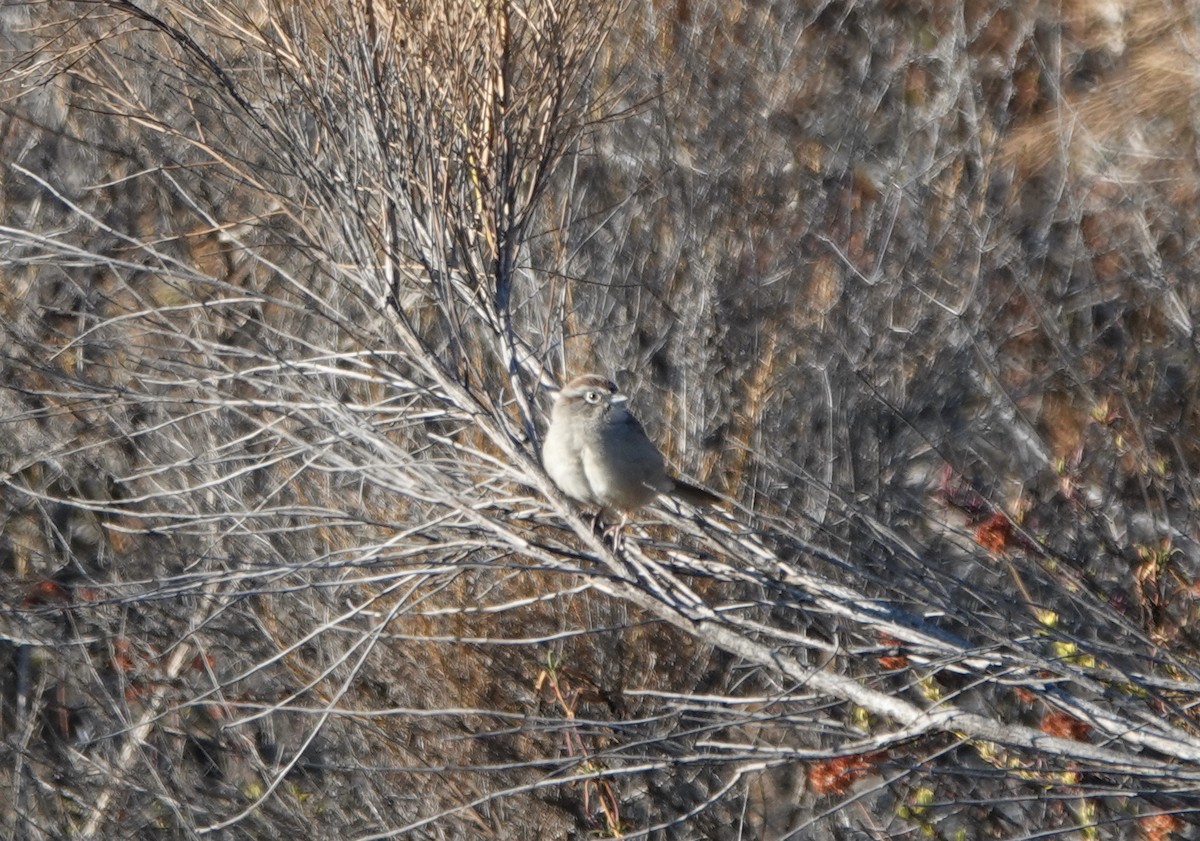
(562, 459)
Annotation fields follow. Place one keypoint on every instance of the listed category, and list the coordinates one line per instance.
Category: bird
(597, 453)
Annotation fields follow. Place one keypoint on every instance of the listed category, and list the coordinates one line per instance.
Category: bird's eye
(592, 397)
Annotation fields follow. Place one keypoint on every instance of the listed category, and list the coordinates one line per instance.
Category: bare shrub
(284, 286)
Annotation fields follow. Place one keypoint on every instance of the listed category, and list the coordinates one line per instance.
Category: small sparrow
(598, 454)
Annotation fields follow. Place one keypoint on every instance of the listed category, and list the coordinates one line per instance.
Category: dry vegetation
(912, 283)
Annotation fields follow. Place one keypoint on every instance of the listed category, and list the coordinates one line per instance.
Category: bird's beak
(618, 398)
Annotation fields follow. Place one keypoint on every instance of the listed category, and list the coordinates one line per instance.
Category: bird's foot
(614, 532)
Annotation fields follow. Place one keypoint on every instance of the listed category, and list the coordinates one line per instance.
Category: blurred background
(284, 286)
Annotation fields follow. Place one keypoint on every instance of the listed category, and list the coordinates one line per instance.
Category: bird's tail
(691, 494)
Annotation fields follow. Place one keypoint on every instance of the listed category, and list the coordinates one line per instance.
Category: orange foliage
(1024, 695)
(122, 661)
(995, 533)
(46, 591)
(835, 776)
(1064, 726)
(1159, 827)
(896, 660)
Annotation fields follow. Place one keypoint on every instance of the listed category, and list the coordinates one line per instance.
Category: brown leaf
(1159, 827)
(836, 775)
(1064, 726)
(995, 533)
